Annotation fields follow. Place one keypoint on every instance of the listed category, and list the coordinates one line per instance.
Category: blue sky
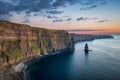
(63, 14)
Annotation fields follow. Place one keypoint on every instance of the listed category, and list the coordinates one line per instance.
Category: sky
(79, 16)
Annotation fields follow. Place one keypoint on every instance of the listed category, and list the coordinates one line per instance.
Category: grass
(17, 53)
(34, 48)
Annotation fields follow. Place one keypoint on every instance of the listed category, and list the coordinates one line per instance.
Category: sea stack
(86, 48)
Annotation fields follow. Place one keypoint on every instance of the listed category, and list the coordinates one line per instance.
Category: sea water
(102, 63)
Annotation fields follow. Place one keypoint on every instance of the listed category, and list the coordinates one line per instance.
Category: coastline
(28, 63)
(17, 71)
(76, 63)
(21, 42)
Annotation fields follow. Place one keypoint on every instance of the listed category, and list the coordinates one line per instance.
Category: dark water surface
(102, 63)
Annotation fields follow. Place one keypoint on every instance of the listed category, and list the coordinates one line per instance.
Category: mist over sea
(102, 63)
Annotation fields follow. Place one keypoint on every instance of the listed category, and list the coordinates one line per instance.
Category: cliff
(19, 41)
(81, 37)
(87, 37)
(102, 36)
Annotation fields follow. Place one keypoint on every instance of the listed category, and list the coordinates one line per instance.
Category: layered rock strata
(20, 41)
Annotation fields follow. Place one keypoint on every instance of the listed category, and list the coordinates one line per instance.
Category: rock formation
(102, 36)
(19, 41)
(86, 48)
(87, 37)
(81, 37)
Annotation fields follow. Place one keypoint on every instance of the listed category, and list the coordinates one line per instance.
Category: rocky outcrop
(19, 41)
(87, 37)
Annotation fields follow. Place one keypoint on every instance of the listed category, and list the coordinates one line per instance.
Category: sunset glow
(65, 15)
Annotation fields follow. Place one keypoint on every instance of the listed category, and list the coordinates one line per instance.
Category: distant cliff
(19, 41)
(87, 37)
(102, 36)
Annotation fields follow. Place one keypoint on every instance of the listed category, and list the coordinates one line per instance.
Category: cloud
(10, 2)
(52, 17)
(45, 8)
(88, 8)
(103, 2)
(31, 5)
(92, 4)
(63, 19)
(38, 5)
(63, 3)
(58, 20)
(5, 8)
(87, 2)
(82, 19)
(26, 20)
(69, 19)
(89, 18)
(86, 18)
(55, 12)
(101, 21)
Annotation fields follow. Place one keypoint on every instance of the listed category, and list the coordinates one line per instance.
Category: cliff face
(18, 41)
(81, 37)
(102, 36)
(87, 37)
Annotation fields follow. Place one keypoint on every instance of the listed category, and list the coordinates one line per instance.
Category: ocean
(102, 63)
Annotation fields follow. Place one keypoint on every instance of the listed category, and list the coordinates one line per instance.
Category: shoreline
(19, 68)
(44, 56)
(21, 41)
(65, 66)
(21, 44)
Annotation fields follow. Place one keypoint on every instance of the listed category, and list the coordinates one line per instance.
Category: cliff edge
(20, 41)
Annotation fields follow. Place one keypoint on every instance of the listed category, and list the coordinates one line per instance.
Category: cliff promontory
(87, 37)
(20, 41)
